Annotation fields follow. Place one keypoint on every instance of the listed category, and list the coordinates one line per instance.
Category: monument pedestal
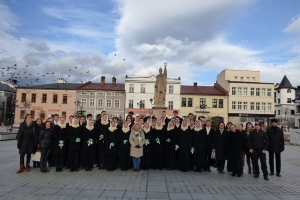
(158, 110)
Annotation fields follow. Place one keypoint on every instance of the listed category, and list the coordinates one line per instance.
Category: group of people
(149, 142)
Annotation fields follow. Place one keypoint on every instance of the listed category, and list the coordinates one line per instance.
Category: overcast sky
(198, 39)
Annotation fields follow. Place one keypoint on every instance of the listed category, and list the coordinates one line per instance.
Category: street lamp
(77, 103)
(152, 101)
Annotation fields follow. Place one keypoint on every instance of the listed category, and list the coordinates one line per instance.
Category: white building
(139, 91)
(297, 107)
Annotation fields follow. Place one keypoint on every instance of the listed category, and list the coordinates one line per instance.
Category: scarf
(89, 127)
(112, 129)
(158, 127)
(125, 130)
(169, 129)
(146, 130)
(104, 122)
(61, 125)
(197, 129)
(248, 131)
(184, 128)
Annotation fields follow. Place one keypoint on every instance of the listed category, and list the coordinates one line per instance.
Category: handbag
(37, 156)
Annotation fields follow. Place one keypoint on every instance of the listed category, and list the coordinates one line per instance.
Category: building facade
(139, 91)
(7, 102)
(297, 107)
(96, 97)
(204, 102)
(249, 99)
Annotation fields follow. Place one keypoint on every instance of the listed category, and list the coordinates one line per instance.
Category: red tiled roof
(98, 86)
(206, 90)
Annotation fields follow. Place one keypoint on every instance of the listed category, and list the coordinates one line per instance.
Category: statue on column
(161, 87)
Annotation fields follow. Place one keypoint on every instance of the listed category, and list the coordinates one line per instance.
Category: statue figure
(160, 87)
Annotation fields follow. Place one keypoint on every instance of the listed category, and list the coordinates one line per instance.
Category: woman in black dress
(45, 143)
(102, 128)
(74, 134)
(198, 143)
(37, 126)
(170, 147)
(111, 147)
(220, 146)
(124, 147)
(147, 158)
(184, 143)
(60, 136)
(158, 146)
(88, 139)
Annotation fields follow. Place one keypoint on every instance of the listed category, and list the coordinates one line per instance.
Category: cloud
(294, 27)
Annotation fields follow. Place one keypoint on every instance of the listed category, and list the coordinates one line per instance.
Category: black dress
(234, 148)
(198, 142)
(220, 146)
(59, 146)
(170, 152)
(184, 143)
(158, 148)
(111, 151)
(147, 159)
(74, 137)
(88, 139)
(124, 150)
(101, 136)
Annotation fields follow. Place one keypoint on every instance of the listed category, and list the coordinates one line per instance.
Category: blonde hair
(136, 124)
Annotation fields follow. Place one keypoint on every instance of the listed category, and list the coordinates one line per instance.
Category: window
(65, 98)
(83, 93)
(171, 89)
(239, 105)
(55, 98)
(108, 94)
(236, 78)
(239, 91)
(23, 98)
(190, 102)
(32, 112)
(242, 78)
(22, 114)
(100, 103)
(183, 102)
(117, 103)
(275, 112)
(64, 114)
(202, 102)
(257, 92)
(131, 88)
(278, 91)
(263, 92)
(142, 103)
(263, 106)
(245, 91)
(289, 100)
(269, 106)
(248, 79)
(278, 100)
(252, 106)
(100, 93)
(289, 91)
(214, 103)
(83, 102)
(298, 109)
(92, 93)
(233, 105)
(269, 92)
(130, 104)
(245, 105)
(233, 91)
(220, 103)
(278, 112)
(117, 94)
(253, 78)
(108, 103)
(251, 91)
(292, 112)
(92, 103)
(143, 88)
(257, 106)
(33, 98)
(44, 98)
(170, 106)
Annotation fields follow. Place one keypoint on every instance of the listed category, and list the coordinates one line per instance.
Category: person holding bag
(137, 140)
(45, 142)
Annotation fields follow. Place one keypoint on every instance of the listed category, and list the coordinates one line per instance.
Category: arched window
(289, 91)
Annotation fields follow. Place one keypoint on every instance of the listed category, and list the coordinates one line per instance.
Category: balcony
(200, 109)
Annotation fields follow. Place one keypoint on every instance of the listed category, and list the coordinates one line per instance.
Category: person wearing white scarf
(198, 143)
(74, 133)
(170, 147)
(88, 139)
(124, 148)
(111, 147)
(158, 146)
(146, 161)
(184, 143)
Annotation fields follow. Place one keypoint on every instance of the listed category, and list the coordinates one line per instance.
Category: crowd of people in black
(149, 143)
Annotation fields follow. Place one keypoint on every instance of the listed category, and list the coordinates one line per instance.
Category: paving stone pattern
(151, 184)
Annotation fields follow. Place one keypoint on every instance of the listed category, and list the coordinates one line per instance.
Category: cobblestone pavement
(152, 184)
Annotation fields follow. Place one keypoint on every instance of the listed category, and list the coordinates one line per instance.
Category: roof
(57, 86)
(217, 89)
(4, 87)
(285, 83)
(107, 86)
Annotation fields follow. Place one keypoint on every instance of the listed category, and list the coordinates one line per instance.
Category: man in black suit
(166, 119)
(209, 133)
(276, 146)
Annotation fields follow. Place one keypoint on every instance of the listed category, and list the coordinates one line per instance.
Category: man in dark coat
(276, 146)
(220, 147)
(209, 133)
(258, 145)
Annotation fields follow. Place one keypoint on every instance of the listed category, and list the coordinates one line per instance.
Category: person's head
(192, 122)
(163, 114)
(116, 119)
(89, 116)
(136, 127)
(175, 113)
(150, 112)
(91, 122)
(62, 120)
(75, 121)
(146, 125)
(203, 122)
(104, 117)
(208, 123)
(240, 127)
(232, 128)
(153, 122)
(177, 120)
(141, 121)
(103, 112)
(257, 126)
(170, 124)
(162, 120)
(56, 117)
(27, 116)
(221, 125)
(28, 121)
(125, 124)
(131, 113)
(158, 123)
(228, 125)
(137, 118)
(82, 120)
(190, 116)
(50, 119)
(197, 124)
(48, 125)
(148, 119)
(249, 125)
(184, 123)
(38, 121)
(274, 122)
(129, 118)
(113, 124)
(71, 118)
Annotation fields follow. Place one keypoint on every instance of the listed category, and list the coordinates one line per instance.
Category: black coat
(73, 134)
(59, 134)
(26, 140)
(171, 141)
(86, 135)
(258, 141)
(184, 140)
(101, 132)
(276, 139)
(209, 138)
(244, 137)
(234, 145)
(112, 137)
(124, 148)
(148, 136)
(198, 141)
(220, 144)
(45, 139)
(158, 134)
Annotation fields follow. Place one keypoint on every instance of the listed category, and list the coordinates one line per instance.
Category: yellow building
(204, 102)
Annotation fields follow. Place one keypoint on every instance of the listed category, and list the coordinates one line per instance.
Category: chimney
(61, 80)
(102, 80)
(195, 84)
(114, 80)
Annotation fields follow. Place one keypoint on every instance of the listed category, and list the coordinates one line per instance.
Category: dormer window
(289, 91)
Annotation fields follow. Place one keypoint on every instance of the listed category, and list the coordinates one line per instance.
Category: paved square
(152, 184)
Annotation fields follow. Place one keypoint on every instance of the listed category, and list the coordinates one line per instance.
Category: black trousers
(207, 159)
(237, 166)
(249, 156)
(28, 157)
(221, 164)
(44, 157)
(277, 160)
(257, 154)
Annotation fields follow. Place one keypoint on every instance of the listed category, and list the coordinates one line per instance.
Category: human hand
(251, 151)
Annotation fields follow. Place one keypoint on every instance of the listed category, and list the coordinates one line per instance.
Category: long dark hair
(221, 123)
(247, 125)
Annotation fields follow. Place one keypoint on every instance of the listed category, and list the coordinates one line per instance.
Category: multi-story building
(297, 107)
(43, 101)
(7, 102)
(284, 93)
(204, 102)
(97, 97)
(249, 99)
(140, 92)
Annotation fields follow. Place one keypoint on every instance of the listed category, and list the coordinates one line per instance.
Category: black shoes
(233, 174)
(255, 176)
(271, 174)
(266, 178)
(278, 175)
(249, 170)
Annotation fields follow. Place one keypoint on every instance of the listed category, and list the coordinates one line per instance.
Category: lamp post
(77, 103)
(152, 101)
